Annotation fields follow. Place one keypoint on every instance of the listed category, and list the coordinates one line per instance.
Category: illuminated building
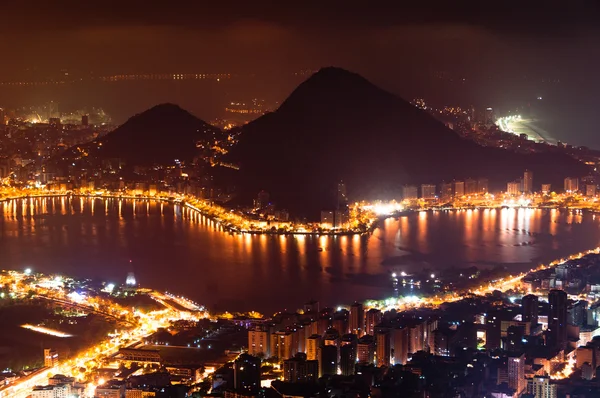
(51, 391)
(327, 219)
(365, 349)
(374, 317)
(513, 188)
(341, 218)
(258, 343)
(529, 309)
(246, 374)
(540, 387)
(409, 192)
(489, 116)
(546, 189)
(50, 358)
(130, 280)
(357, 319)
(446, 191)
(428, 191)
(382, 347)
(300, 370)
(459, 189)
(441, 342)
(557, 319)
(348, 354)
(399, 343)
(571, 184)
(528, 182)
(470, 186)
(85, 120)
(516, 373)
(483, 185)
(312, 347)
(577, 313)
(282, 345)
(590, 190)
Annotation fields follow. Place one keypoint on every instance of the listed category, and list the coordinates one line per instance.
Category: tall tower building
(357, 319)
(342, 197)
(258, 343)
(374, 317)
(409, 192)
(557, 320)
(428, 191)
(459, 188)
(528, 181)
(312, 347)
(516, 373)
(328, 360)
(382, 348)
(529, 309)
(571, 184)
(348, 354)
(246, 374)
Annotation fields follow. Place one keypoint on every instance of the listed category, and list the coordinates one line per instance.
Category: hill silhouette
(339, 126)
(158, 135)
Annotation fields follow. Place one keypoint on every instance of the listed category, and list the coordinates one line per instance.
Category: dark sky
(503, 48)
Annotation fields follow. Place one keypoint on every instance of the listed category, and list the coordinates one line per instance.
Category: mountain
(337, 126)
(157, 136)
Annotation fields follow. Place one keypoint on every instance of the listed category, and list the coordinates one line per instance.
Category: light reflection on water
(176, 249)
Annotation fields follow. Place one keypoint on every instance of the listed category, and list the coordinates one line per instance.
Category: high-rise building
(357, 319)
(409, 192)
(365, 349)
(300, 370)
(328, 360)
(427, 191)
(327, 219)
(446, 191)
(348, 354)
(557, 319)
(514, 338)
(571, 184)
(546, 188)
(513, 188)
(374, 317)
(483, 185)
(399, 344)
(282, 345)
(258, 343)
(84, 120)
(489, 116)
(312, 347)
(262, 200)
(577, 313)
(528, 181)
(529, 309)
(382, 348)
(459, 189)
(50, 358)
(540, 387)
(470, 186)
(246, 374)
(590, 190)
(516, 373)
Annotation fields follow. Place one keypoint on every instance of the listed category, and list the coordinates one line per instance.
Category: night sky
(500, 53)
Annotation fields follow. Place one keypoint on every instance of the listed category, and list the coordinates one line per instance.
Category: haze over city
(252, 199)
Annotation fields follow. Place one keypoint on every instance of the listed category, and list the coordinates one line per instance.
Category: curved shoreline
(225, 225)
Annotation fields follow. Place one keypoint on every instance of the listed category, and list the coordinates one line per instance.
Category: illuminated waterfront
(173, 248)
